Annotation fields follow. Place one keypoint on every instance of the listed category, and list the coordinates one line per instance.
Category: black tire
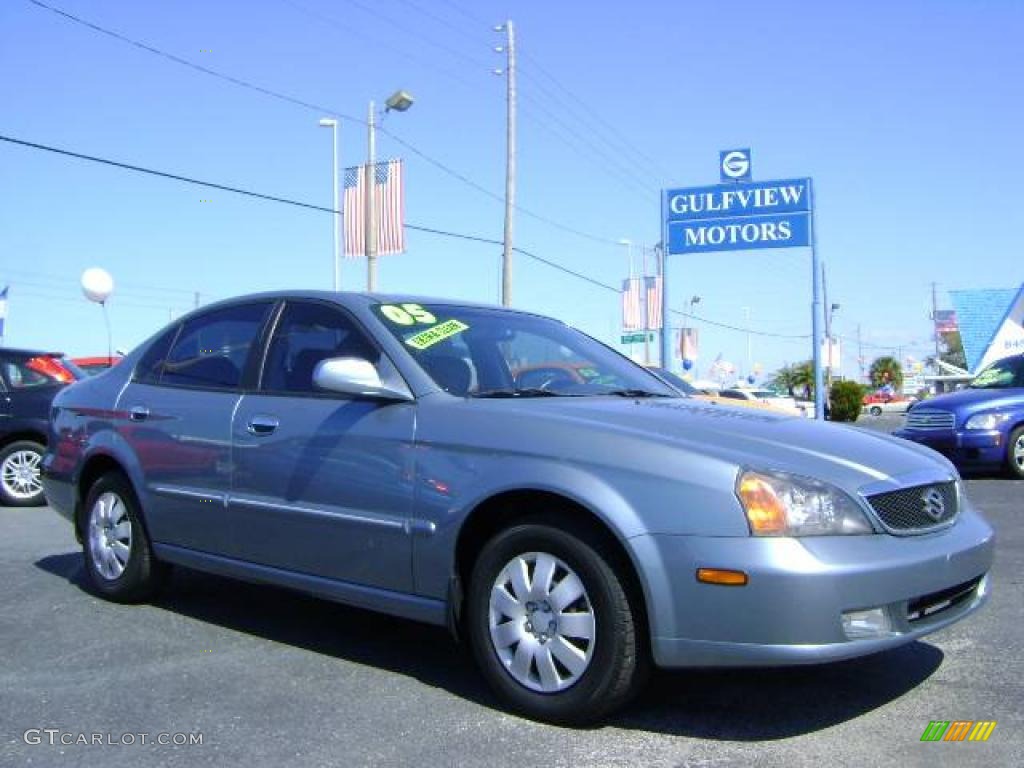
(12, 491)
(618, 663)
(875, 410)
(1015, 469)
(142, 574)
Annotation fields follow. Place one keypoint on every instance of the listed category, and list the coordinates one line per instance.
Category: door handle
(138, 413)
(262, 425)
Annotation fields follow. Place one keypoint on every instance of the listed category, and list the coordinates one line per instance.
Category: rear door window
(212, 349)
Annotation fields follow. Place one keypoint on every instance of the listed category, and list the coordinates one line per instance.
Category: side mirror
(354, 376)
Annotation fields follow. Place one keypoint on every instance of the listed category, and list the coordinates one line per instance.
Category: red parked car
(94, 365)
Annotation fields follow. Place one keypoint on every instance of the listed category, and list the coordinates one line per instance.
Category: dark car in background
(29, 379)
(980, 427)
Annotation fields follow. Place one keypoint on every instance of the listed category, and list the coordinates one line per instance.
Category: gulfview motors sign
(728, 217)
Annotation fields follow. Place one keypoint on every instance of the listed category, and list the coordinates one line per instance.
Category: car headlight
(785, 505)
(986, 420)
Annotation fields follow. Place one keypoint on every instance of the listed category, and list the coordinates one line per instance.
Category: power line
(326, 209)
(583, 106)
(320, 109)
(382, 42)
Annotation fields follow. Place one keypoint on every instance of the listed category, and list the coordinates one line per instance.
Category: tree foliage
(954, 350)
(887, 370)
(797, 379)
(845, 400)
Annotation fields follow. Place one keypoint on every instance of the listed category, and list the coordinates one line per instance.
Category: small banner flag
(688, 344)
(3, 309)
(641, 297)
(653, 302)
(389, 202)
(632, 314)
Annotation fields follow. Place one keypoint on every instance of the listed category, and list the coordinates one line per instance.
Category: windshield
(480, 352)
(1001, 375)
(676, 381)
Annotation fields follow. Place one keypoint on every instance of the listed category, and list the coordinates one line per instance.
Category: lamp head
(399, 101)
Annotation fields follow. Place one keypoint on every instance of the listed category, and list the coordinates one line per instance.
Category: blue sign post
(742, 216)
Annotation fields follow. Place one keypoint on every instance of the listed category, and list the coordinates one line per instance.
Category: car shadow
(722, 704)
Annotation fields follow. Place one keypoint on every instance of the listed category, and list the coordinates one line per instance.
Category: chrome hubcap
(541, 622)
(110, 535)
(1018, 452)
(20, 475)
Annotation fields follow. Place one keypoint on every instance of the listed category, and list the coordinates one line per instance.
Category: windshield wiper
(635, 393)
(526, 392)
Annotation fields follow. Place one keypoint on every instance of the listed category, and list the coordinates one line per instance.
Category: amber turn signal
(722, 576)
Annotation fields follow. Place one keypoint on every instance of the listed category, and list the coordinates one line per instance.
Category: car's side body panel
(328, 491)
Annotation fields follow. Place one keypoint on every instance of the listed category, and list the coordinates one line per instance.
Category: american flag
(3, 309)
(632, 314)
(688, 343)
(389, 197)
(641, 296)
(653, 285)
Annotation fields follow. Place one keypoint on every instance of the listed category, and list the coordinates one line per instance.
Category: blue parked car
(981, 427)
(571, 517)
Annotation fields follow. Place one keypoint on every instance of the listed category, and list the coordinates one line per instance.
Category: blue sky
(908, 115)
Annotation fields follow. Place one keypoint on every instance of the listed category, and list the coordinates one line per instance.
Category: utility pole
(369, 188)
(935, 328)
(746, 319)
(860, 354)
(510, 158)
(196, 300)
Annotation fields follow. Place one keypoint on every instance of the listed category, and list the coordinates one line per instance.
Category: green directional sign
(635, 338)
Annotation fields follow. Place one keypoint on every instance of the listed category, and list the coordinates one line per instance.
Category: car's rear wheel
(118, 555)
(1015, 453)
(20, 482)
(875, 410)
(551, 623)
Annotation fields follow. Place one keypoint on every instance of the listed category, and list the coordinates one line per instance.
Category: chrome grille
(930, 418)
(920, 508)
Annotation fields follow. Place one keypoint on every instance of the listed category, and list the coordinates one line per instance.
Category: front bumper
(965, 448)
(791, 610)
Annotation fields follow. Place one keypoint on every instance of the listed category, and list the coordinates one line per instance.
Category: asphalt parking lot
(274, 678)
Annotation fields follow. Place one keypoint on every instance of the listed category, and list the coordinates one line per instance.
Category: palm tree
(799, 376)
(784, 379)
(803, 377)
(887, 370)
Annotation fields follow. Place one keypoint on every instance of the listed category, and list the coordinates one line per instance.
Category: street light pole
(369, 184)
(333, 125)
(399, 101)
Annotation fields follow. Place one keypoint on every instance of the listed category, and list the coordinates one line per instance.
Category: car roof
(362, 298)
(29, 352)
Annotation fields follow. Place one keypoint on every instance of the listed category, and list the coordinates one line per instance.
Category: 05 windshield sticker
(407, 314)
(432, 336)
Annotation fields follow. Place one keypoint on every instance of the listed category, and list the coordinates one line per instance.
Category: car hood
(975, 399)
(661, 434)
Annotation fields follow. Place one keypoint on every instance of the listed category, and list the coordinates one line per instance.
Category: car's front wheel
(118, 555)
(20, 484)
(551, 624)
(1015, 453)
(876, 410)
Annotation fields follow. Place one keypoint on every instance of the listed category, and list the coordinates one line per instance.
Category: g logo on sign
(734, 164)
